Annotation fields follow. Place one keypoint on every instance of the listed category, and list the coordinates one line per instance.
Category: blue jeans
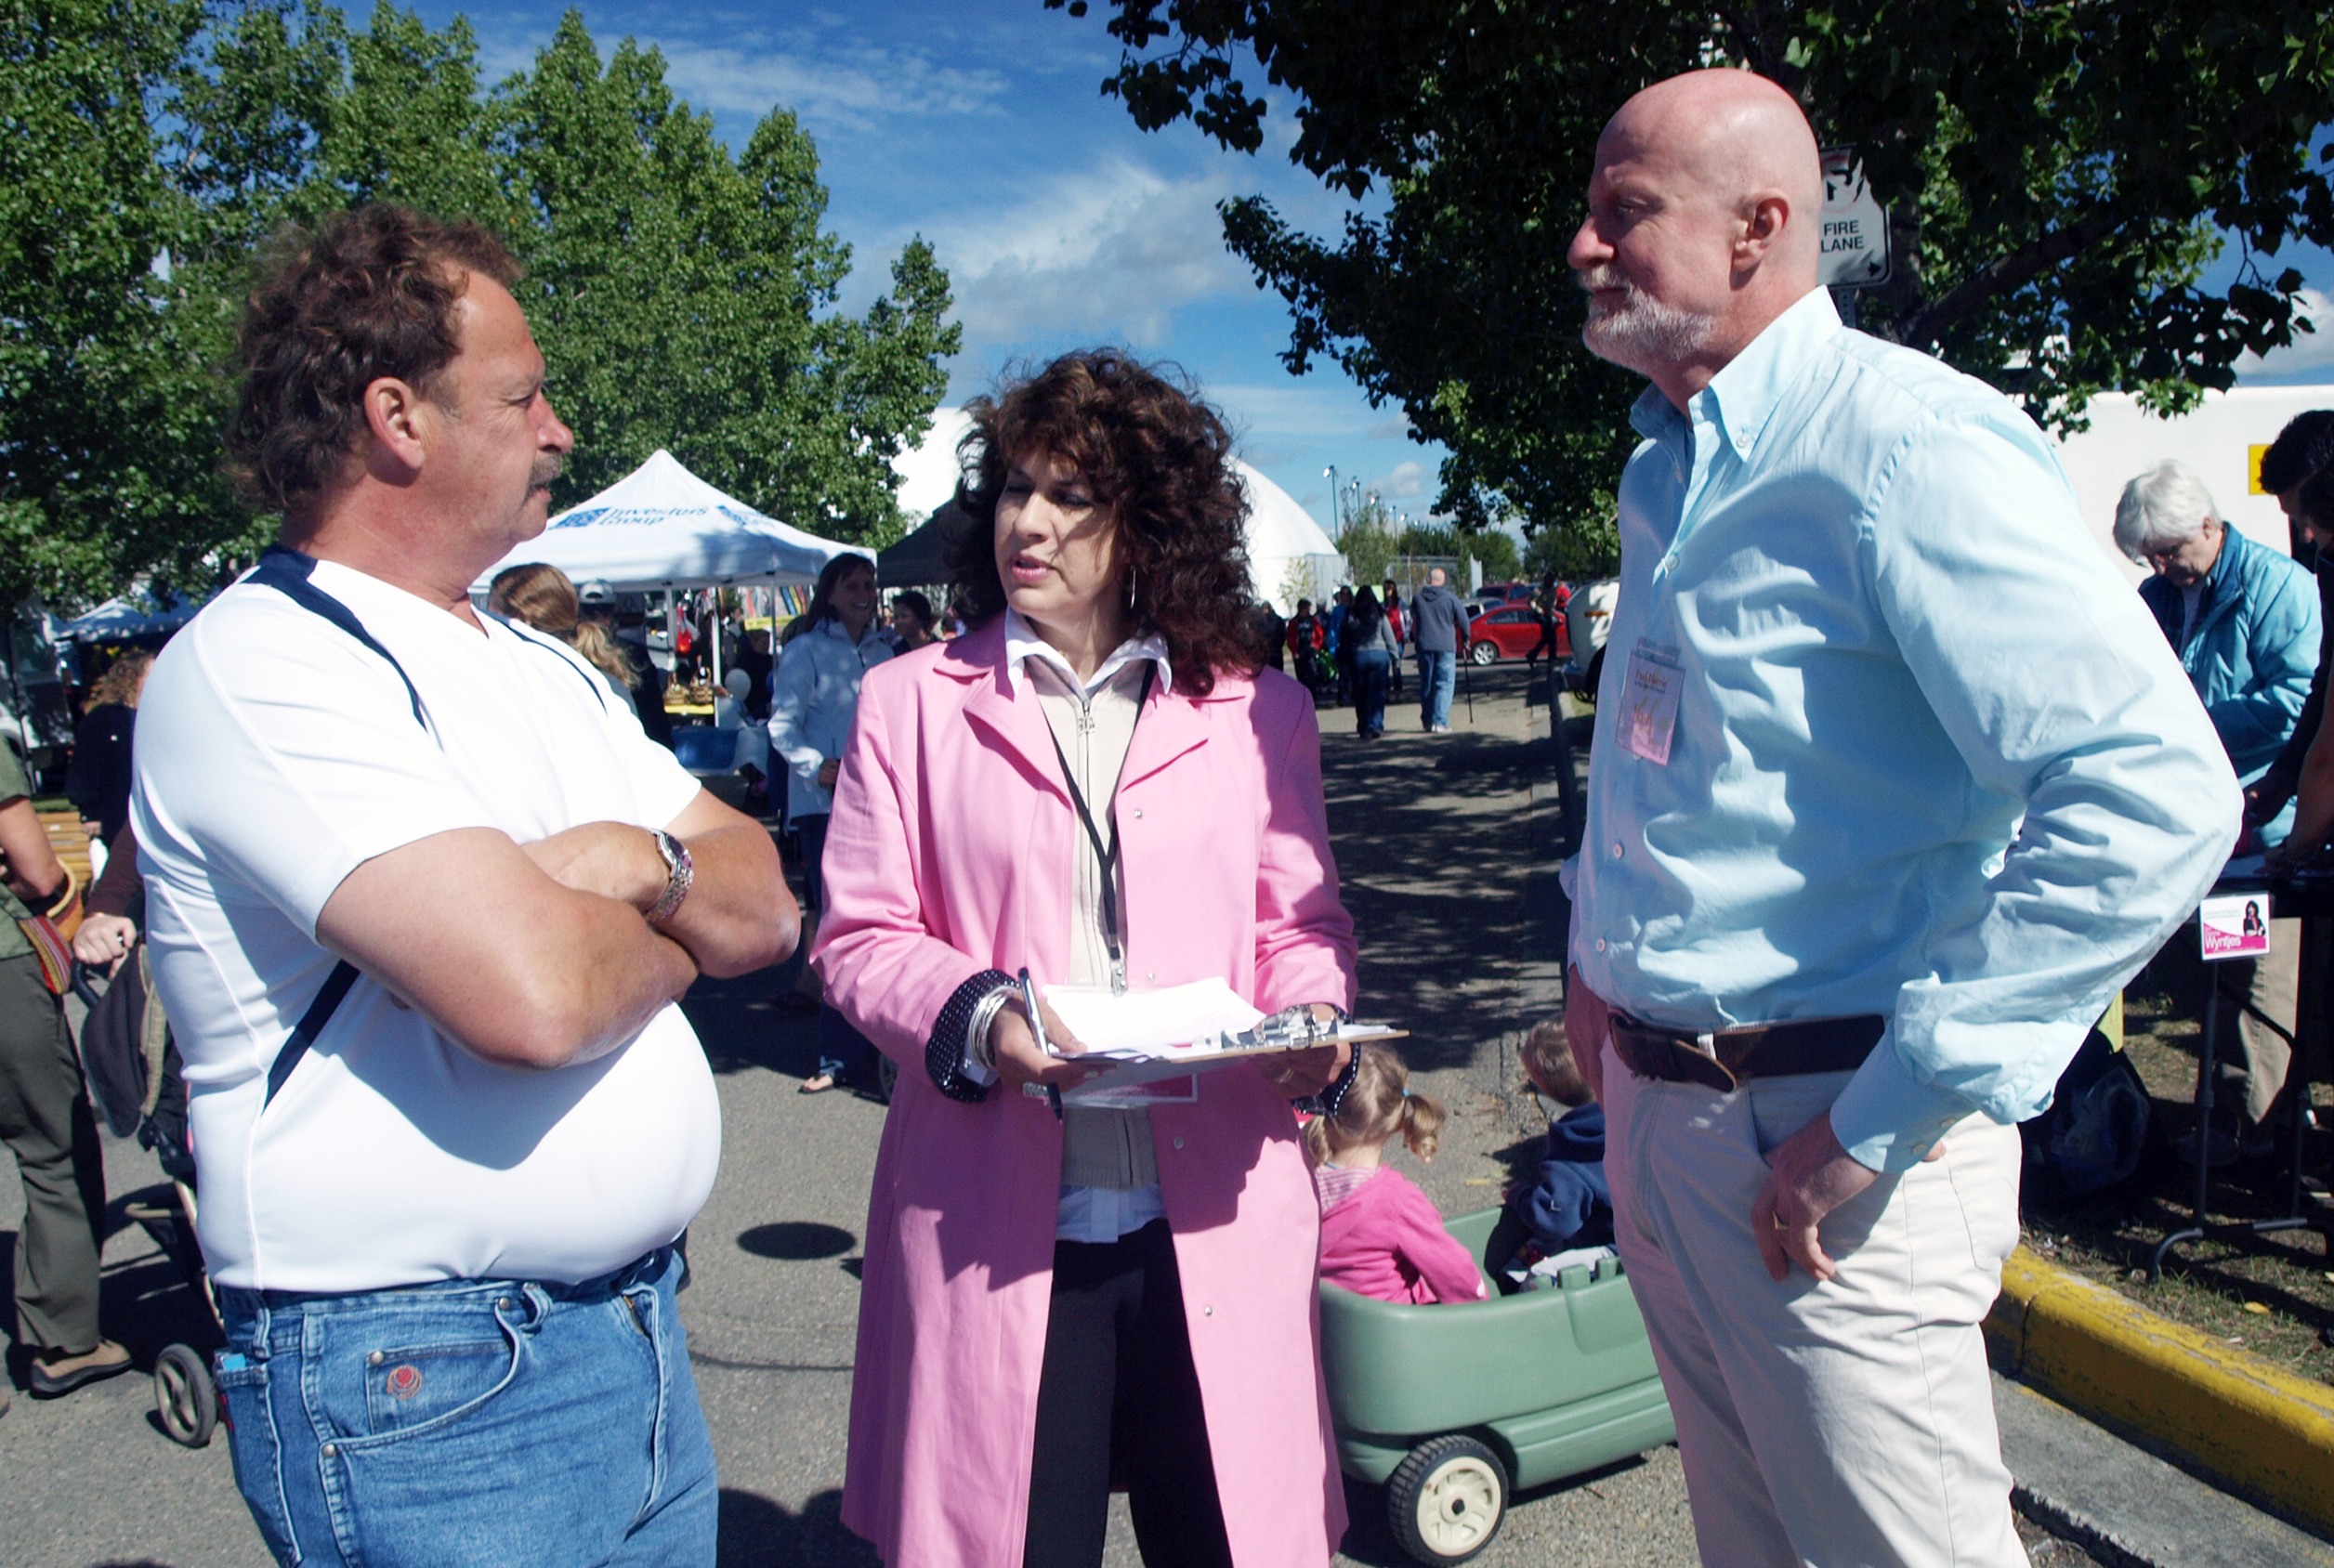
(480, 1422)
(1438, 678)
(1371, 668)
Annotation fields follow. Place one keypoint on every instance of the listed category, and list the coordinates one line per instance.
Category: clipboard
(1115, 1090)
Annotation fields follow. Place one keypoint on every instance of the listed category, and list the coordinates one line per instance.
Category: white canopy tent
(137, 614)
(662, 528)
(1284, 543)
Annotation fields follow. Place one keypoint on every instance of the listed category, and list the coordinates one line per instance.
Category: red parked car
(1511, 631)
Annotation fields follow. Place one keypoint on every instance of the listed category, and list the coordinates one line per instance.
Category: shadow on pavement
(1441, 917)
(757, 1532)
(796, 1239)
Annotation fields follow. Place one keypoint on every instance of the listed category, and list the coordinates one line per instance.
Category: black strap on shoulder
(287, 571)
(319, 1013)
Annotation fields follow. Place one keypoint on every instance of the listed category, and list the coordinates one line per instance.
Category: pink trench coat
(947, 855)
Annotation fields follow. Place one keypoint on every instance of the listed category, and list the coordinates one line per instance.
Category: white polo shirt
(275, 754)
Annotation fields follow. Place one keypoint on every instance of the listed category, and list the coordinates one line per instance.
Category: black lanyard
(1107, 855)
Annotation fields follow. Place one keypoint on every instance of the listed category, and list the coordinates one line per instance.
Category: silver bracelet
(978, 1046)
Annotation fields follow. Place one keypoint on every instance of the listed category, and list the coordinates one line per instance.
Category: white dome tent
(1284, 543)
(662, 528)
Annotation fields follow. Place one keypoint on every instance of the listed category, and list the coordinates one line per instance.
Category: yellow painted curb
(2230, 1412)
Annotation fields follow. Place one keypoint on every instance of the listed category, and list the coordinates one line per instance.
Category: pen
(1036, 1027)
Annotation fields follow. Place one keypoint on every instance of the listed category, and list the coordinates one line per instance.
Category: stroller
(137, 1084)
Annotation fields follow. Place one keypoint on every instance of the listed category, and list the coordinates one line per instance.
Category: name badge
(1649, 704)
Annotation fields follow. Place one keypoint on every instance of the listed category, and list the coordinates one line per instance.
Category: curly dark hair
(2304, 447)
(367, 294)
(1162, 460)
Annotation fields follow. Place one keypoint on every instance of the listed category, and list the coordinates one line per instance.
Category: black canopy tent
(921, 558)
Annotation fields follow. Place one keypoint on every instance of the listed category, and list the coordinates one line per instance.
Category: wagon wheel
(186, 1400)
(1446, 1499)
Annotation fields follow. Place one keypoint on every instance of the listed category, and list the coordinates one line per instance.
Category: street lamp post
(1336, 523)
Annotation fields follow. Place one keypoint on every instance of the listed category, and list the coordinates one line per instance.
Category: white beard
(1642, 334)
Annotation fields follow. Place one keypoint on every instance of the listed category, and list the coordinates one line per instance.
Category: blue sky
(979, 124)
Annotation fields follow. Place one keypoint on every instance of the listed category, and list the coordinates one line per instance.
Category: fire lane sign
(1854, 248)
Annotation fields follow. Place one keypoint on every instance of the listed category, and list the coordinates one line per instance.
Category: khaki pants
(2271, 985)
(45, 1121)
(1850, 1422)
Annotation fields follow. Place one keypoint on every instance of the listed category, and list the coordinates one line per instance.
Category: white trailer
(2222, 439)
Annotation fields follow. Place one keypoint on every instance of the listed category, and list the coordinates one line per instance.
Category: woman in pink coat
(1099, 784)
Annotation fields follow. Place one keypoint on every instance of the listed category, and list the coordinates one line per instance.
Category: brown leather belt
(1723, 1060)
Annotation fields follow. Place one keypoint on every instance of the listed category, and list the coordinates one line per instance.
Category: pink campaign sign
(2235, 926)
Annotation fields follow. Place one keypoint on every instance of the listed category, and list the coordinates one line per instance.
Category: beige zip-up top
(1100, 1148)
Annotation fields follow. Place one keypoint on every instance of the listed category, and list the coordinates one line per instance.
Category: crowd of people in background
(464, 842)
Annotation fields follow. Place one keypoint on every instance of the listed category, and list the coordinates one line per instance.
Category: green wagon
(1451, 1407)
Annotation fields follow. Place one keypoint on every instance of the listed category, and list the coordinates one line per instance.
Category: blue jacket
(1569, 1205)
(2251, 654)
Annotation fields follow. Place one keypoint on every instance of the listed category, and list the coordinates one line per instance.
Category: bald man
(1895, 784)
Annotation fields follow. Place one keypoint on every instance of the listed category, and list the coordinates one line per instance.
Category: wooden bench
(70, 843)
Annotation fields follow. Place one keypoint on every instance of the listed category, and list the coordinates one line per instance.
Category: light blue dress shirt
(1928, 755)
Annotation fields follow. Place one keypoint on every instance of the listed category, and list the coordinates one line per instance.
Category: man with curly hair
(423, 898)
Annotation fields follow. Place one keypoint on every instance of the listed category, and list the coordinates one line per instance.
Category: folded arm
(541, 956)
(520, 970)
(738, 915)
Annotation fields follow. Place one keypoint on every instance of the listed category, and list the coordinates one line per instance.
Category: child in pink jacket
(1381, 1237)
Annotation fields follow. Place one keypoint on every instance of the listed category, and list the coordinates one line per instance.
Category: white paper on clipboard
(1159, 1041)
(1140, 1026)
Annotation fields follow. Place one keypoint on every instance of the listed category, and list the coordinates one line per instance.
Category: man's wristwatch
(679, 872)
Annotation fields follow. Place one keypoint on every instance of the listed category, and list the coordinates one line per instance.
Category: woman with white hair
(2245, 622)
(2243, 618)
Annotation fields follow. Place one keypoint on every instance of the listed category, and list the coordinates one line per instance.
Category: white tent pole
(714, 669)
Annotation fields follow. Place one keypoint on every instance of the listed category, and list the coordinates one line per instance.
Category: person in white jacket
(814, 694)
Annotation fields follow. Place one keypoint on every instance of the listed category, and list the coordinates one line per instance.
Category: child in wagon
(1381, 1237)
(1566, 1206)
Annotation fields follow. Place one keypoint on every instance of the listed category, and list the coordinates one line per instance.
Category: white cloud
(1407, 482)
(1321, 405)
(855, 87)
(1109, 252)
(2309, 356)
